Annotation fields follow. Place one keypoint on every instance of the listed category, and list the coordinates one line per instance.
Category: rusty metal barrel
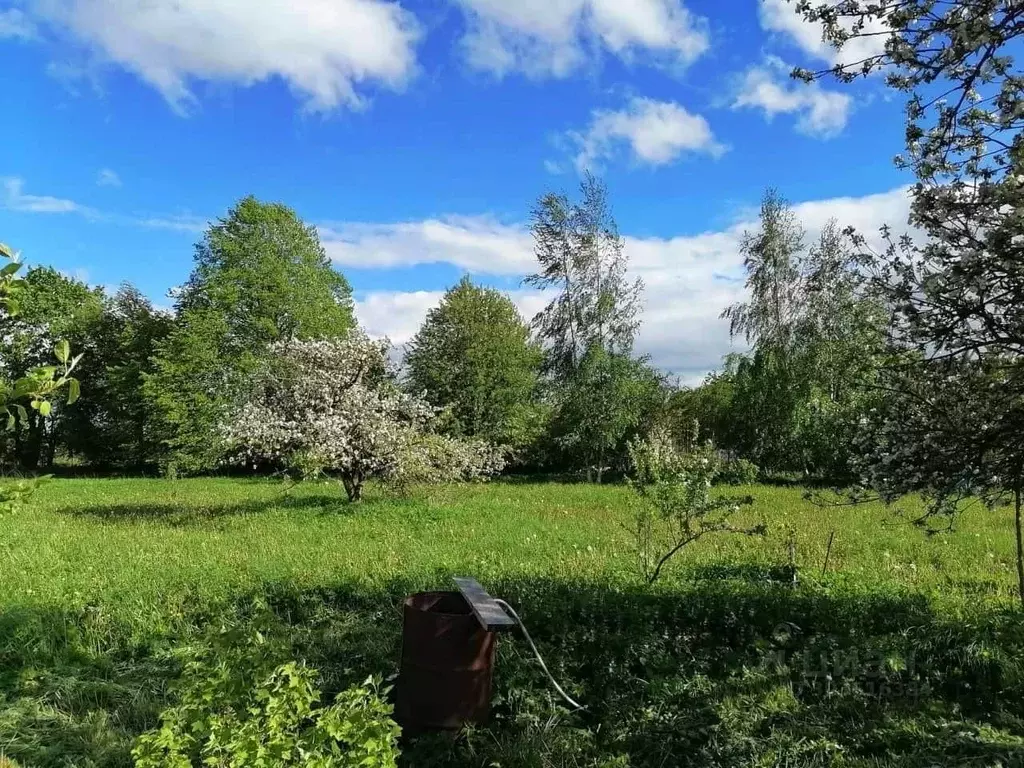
(447, 664)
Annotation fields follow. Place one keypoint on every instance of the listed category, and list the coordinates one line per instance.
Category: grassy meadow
(907, 651)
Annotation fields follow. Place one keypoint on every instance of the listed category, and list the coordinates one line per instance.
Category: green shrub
(242, 705)
(738, 472)
(675, 506)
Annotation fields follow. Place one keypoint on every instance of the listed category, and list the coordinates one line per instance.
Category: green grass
(101, 579)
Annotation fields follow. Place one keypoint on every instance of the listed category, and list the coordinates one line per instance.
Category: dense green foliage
(113, 425)
(261, 276)
(110, 586)
(474, 355)
(27, 396)
(609, 399)
(243, 703)
(817, 328)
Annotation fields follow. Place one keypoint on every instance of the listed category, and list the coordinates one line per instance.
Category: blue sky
(416, 136)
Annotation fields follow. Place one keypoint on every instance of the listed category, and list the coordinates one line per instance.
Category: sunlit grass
(102, 580)
(138, 546)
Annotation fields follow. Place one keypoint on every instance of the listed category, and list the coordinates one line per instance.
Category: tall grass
(906, 650)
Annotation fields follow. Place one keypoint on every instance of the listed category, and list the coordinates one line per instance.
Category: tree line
(563, 393)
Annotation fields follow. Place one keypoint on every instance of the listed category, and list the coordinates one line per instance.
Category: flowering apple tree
(333, 407)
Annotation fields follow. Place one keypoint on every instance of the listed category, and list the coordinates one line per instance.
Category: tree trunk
(32, 443)
(1020, 544)
(353, 487)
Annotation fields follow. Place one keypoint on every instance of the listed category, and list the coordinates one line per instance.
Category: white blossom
(333, 407)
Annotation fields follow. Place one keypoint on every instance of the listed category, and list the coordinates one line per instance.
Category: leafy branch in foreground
(676, 504)
(241, 703)
(38, 387)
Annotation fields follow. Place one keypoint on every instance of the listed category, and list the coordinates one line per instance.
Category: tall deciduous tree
(581, 257)
(473, 354)
(771, 257)
(817, 335)
(261, 276)
(590, 324)
(767, 384)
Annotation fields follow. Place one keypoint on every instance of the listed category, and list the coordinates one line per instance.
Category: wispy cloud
(108, 178)
(16, 199)
(14, 23)
(474, 243)
(177, 222)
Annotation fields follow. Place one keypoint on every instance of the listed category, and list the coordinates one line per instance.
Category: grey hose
(572, 702)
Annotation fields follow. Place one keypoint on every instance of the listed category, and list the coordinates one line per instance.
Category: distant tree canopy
(474, 355)
(27, 402)
(261, 276)
(112, 425)
(817, 330)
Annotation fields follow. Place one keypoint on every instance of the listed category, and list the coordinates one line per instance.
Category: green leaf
(62, 351)
(74, 391)
(9, 269)
(22, 387)
(45, 372)
(44, 408)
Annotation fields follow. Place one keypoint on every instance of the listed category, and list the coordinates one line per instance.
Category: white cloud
(781, 16)
(325, 50)
(543, 38)
(108, 178)
(16, 199)
(14, 23)
(180, 222)
(690, 279)
(395, 314)
(656, 132)
(821, 113)
(474, 243)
